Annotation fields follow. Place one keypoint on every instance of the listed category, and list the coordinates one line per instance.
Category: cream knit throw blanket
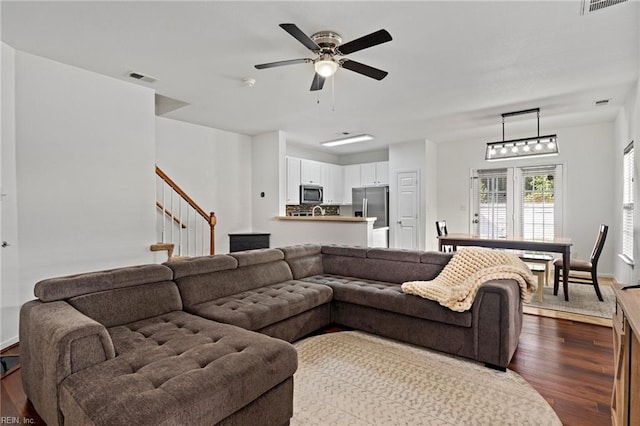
(457, 284)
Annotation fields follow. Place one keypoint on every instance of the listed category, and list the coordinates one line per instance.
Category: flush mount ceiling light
(535, 146)
(350, 139)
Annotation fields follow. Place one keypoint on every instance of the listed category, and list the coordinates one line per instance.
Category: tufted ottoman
(178, 369)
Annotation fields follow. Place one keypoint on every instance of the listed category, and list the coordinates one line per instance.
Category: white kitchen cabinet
(293, 180)
(351, 180)
(367, 174)
(310, 172)
(332, 182)
(374, 173)
(382, 172)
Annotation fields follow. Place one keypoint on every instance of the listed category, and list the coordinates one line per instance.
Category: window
(627, 203)
(522, 202)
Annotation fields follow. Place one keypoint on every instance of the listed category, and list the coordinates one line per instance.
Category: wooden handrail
(168, 213)
(210, 217)
(181, 192)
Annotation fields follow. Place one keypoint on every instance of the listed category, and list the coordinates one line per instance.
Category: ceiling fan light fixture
(326, 66)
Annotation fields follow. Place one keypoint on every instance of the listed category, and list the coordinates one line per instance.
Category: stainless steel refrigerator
(372, 201)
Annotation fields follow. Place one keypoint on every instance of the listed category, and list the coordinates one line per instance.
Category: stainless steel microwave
(311, 194)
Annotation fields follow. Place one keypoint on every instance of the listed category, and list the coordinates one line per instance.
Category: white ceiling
(454, 67)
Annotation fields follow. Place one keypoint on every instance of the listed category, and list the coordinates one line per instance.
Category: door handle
(476, 221)
(399, 222)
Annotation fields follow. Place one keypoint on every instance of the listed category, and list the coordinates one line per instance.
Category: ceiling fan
(327, 46)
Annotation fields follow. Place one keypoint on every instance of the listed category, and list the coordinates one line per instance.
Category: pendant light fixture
(536, 146)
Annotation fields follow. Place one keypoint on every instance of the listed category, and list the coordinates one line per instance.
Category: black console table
(248, 241)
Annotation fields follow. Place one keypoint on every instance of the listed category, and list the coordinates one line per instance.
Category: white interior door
(407, 218)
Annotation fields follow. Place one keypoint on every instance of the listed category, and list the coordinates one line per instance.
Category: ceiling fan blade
(317, 83)
(373, 39)
(283, 63)
(363, 69)
(300, 36)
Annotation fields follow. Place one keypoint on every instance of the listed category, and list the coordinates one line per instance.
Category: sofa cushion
(380, 269)
(125, 305)
(256, 257)
(200, 288)
(389, 297)
(201, 265)
(61, 288)
(394, 254)
(304, 260)
(178, 369)
(348, 251)
(257, 308)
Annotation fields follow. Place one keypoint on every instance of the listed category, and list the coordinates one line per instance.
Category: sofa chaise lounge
(205, 340)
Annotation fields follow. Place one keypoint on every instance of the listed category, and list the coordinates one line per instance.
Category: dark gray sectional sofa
(204, 340)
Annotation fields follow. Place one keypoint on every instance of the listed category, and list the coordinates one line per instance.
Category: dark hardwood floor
(569, 363)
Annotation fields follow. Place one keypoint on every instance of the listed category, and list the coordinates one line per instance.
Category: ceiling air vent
(601, 102)
(145, 78)
(589, 6)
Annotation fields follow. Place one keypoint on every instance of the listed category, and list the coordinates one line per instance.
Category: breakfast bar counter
(344, 230)
(328, 218)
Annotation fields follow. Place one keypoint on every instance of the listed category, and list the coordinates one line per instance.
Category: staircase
(184, 229)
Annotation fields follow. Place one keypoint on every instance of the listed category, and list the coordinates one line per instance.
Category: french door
(521, 202)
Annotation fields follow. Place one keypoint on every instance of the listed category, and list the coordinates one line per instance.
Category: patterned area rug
(582, 300)
(354, 378)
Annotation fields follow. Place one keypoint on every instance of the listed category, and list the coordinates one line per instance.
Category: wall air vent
(142, 77)
(589, 6)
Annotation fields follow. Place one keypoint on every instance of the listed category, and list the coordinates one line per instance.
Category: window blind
(537, 202)
(627, 202)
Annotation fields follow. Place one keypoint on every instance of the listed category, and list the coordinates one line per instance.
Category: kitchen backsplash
(308, 208)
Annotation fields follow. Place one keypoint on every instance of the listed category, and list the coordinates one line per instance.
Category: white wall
(298, 151)
(214, 167)
(84, 161)
(588, 158)
(626, 130)
(431, 195)
(11, 293)
(364, 157)
(268, 187)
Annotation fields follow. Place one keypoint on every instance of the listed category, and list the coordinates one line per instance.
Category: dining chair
(441, 228)
(590, 266)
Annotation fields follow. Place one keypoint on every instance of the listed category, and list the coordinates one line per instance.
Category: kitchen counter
(327, 218)
(341, 230)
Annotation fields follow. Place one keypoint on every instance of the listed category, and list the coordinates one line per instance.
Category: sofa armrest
(56, 340)
(497, 321)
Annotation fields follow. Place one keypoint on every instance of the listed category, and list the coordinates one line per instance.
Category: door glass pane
(492, 207)
(537, 204)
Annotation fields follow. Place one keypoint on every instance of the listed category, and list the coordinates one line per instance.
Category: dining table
(557, 245)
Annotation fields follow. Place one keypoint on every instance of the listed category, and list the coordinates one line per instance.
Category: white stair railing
(181, 221)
